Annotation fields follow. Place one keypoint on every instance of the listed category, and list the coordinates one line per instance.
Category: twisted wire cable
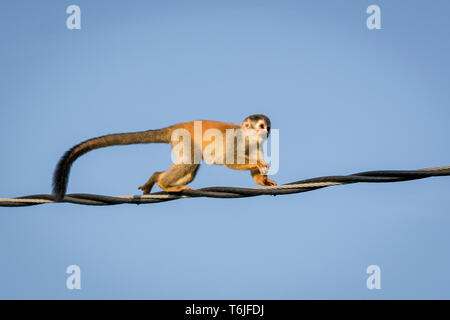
(381, 176)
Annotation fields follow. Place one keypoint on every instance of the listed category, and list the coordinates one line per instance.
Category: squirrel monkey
(180, 174)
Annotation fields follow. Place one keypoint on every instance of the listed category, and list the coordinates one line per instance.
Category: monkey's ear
(246, 125)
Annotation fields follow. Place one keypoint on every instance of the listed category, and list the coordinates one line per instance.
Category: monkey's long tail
(61, 174)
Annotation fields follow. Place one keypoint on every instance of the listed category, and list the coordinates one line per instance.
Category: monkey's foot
(175, 188)
(146, 188)
(263, 180)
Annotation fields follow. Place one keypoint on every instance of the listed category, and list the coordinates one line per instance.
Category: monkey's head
(258, 122)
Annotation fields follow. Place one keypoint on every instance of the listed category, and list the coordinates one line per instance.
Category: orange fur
(178, 175)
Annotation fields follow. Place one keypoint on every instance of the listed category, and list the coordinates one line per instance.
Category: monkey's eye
(262, 126)
(246, 125)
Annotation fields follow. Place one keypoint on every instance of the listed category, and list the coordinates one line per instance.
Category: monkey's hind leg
(174, 179)
(147, 187)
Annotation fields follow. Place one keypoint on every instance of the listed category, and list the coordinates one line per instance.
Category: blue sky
(345, 99)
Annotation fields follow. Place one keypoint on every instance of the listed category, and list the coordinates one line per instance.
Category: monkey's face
(258, 122)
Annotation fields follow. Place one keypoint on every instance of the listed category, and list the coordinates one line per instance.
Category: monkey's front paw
(263, 168)
(268, 182)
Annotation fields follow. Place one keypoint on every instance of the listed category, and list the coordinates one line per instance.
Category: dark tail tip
(61, 176)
